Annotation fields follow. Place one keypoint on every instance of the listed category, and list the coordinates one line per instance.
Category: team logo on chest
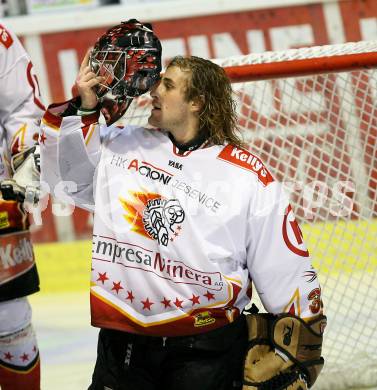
(154, 217)
(161, 219)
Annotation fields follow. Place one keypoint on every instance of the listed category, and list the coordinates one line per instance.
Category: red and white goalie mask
(128, 56)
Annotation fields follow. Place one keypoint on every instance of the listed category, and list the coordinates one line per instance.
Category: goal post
(300, 62)
(311, 116)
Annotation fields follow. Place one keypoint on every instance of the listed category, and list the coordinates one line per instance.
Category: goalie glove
(24, 185)
(284, 352)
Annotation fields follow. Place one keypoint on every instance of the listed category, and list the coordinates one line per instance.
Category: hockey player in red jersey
(185, 219)
(20, 113)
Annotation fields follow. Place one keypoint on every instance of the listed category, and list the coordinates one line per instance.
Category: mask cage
(109, 64)
(127, 73)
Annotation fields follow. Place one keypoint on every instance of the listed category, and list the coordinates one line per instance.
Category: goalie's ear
(197, 104)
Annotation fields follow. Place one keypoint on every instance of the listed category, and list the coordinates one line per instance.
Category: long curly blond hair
(209, 83)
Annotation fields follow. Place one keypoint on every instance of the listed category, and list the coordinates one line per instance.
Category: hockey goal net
(311, 115)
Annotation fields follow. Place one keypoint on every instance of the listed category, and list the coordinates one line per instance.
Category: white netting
(301, 54)
(318, 134)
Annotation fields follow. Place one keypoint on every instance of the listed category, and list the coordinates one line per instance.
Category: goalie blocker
(284, 352)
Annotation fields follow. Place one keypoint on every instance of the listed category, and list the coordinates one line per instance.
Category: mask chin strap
(114, 109)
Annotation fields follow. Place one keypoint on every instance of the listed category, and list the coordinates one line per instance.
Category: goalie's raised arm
(119, 67)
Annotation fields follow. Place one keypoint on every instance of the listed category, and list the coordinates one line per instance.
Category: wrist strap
(83, 111)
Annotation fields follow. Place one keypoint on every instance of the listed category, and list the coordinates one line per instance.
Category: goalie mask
(128, 56)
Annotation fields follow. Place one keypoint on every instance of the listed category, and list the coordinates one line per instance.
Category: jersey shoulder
(244, 159)
(133, 133)
(11, 50)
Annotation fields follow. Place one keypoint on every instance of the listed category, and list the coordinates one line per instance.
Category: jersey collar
(196, 143)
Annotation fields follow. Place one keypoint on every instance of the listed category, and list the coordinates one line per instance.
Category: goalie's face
(170, 108)
(126, 73)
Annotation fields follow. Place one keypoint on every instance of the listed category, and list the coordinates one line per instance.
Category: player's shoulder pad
(112, 132)
(246, 160)
(149, 132)
(5, 37)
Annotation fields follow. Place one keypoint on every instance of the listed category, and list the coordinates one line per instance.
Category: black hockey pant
(208, 361)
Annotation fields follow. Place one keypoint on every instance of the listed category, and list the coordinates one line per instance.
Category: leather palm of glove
(284, 352)
(24, 185)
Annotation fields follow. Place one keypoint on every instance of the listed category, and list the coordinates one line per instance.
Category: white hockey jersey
(177, 239)
(21, 108)
(20, 113)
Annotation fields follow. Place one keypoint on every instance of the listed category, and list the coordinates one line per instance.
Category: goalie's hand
(86, 82)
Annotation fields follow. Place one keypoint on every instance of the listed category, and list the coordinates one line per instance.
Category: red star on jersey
(178, 303)
(292, 309)
(166, 302)
(130, 296)
(42, 138)
(117, 287)
(147, 304)
(209, 295)
(24, 357)
(8, 356)
(102, 277)
(194, 299)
